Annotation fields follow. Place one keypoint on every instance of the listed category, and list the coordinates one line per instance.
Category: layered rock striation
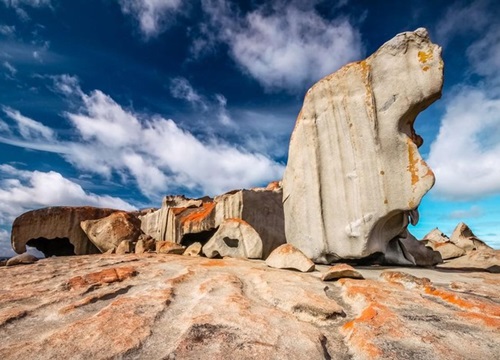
(354, 177)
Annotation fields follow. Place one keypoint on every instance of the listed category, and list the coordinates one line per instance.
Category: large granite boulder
(234, 238)
(354, 177)
(482, 259)
(107, 233)
(56, 230)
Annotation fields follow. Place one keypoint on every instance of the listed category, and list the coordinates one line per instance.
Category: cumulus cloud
(151, 15)
(465, 154)
(151, 151)
(180, 88)
(282, 46)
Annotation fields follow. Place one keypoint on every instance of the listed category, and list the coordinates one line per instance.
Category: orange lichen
(475, 305)
(106, 276)
(198, 214)
(424, 56)
(484, 318)
(425, 68)
(214, 262)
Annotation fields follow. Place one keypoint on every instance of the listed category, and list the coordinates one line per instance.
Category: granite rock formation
(438, 241)
(175, 307)
(234, 238)
(108, 232)
(354, 177)
(186, 221)
(288, 256)
(56, 230)
(464, 238)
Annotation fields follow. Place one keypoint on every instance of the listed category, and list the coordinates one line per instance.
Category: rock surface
(185, 221)
(448, 250)
(234, 238)
(108, 232)
(340, 271)
(168, 247)
(288, 256)
(354, 174)
(22, 259)
(464, 238)
(165, 307)
(483, 259)
(56, 230)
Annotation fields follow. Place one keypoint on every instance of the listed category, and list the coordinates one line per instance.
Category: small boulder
(193, 249)
(168, 247)
(22, 259)
(288, 256)
(234, 238)
(125, 247)
(464, 237)
(109, 232)
(144, 244)
(339, 271)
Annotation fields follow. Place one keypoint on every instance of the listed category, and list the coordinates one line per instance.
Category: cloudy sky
(117, 103)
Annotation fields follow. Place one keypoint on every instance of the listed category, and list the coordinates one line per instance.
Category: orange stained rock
(485, 318)
(198, 214)
(424, 56)
(106, 276)
(412, 162)
(474, 305)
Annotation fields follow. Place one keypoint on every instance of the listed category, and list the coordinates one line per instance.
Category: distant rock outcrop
(354, 177)
(464, 238)
(438, 241)
(56, 230)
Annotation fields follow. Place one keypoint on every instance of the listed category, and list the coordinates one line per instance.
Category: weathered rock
(196, 220)
(168, 247)
(160, 307)
(109, 232)
(161, 224)
(262, 208)
(339, 271)
(125, 247)
(436, 236)
(56, 230)
(354, 174)
(22, 259)
(482, 259)
(448, 250)
(193, 249)
(464, 238)
(110, 251)
(145, 243)
(288, 256)
(234, 238)
(407, 250)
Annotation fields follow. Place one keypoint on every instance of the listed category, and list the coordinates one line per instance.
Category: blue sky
(117, 103)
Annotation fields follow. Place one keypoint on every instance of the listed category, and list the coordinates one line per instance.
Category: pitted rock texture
(354, 174)
(166, 306)
(56, 230)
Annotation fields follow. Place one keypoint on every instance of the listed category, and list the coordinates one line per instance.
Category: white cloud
(465, 154)
(473, 212)
(152, 15)
(153, 151)
(282, 47)
(12, 70)
(7, 30)
(180, 88)
(34, 3)
(28, 128)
